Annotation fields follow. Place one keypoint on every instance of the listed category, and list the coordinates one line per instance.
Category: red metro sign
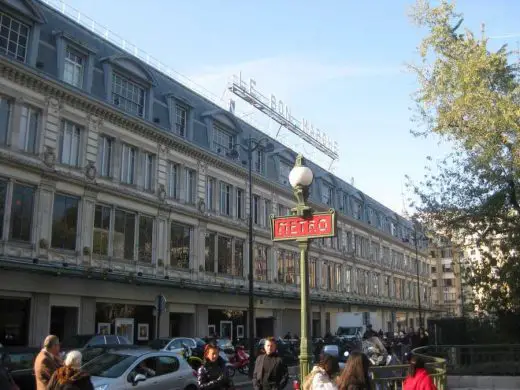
(317, 225)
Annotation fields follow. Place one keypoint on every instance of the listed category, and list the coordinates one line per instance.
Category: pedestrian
(212, 375)
(270, 371)
(322, 376)
(355, 374)
(47, 361)
(418, 377)
(70, 376)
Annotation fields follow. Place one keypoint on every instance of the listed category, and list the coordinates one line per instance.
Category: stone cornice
(28, 77)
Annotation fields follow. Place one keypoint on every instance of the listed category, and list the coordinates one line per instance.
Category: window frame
(104, 140)
(133, 171)
(76, 128)
(216, 144)
(31, 109)
(78, 220)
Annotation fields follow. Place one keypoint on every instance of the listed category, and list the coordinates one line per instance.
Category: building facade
(116, 185)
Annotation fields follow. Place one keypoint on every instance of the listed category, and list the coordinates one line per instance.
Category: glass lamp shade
(301, 176)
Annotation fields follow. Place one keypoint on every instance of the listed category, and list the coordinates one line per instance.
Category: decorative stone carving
(44, 244)
(161, 193)
(54, 105)
(49, 156)
(201, 205)
(163, 149)
(91, 170)
(94, 122)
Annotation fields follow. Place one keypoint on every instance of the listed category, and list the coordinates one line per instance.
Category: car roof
(138, 352)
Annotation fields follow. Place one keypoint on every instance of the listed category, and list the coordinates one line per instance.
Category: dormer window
(181, 119)
(73, 68)
(14, 37)
(223, 140)
(259, 161)
(327, 194)
(128, 95)
(283, 176)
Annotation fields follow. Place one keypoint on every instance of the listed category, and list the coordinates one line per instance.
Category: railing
(478, 360)
(392, 377)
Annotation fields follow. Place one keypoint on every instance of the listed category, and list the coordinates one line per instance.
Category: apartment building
(117, 185)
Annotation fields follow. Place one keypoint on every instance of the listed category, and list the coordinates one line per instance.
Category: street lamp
(301, 178)
(416, 243)
(252, 145)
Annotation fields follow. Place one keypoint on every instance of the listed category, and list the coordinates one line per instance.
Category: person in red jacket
(418, 378)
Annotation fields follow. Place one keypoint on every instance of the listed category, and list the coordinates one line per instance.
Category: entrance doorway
(64, 321)
(182, 325)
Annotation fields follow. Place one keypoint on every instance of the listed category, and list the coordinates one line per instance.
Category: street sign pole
(160, 304)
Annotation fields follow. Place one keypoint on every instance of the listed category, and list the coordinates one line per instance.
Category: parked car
(94, 351)
(81, 341)
(195, 344)
(21, 362)
(152, 370)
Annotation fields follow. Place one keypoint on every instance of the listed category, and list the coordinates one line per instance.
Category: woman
(212, 375)
(418, 378)
(355, 374)
(322, 375)
(69, 376)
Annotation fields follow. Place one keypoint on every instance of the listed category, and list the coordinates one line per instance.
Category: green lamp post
(301, 178)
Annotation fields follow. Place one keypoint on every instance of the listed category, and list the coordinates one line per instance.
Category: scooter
(194, 361)
(229, 367)
(240, 360)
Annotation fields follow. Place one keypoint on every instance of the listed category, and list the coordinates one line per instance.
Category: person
(270, 371)
(212, 375)
(355, 374)
(369, 332)
(322, 375)
(6, 380)
(47, 361)
(418, 378)
(288, 336)
(70, 376)
(423, 338)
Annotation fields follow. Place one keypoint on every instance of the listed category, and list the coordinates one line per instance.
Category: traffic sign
(316, 225)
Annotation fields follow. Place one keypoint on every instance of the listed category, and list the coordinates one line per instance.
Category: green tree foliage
(469, 95)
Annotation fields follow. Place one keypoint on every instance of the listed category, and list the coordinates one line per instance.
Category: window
(224, 260)
(181, 116)
(124, 235)
(173, 180)
(70, 139)
(148, 171)
(14, 37)
(128, 164)
(223, 140)
(180, 244)
(259, 161)
(267, 212)
(127, 95)
(283, 210)
(348, 279)
(225, 199)
(313, 272)
(209, 252)
(283, 176)
(434, 283)
(106, 147)
(64, 222)
(256, 209)
(288, 267)
(3, 198)
(145, 239)
(21, 212)
(448, 282)
(240, 203)
(238, 258)
(191, 185)
(260, 259)
(5, 113)
(73, 68)
(327, 195)
(29, 120)
(101, 230)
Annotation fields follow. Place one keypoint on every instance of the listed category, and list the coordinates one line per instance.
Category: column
(201, 320)
(164, 330)
(162, 238)
(52, 128)
(45, 199)
(87, 316)
(92, 139)
(200, 247)
(39, 322)
(86, 223)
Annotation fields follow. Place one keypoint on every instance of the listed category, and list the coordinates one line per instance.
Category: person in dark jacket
(212, 375)
(270, 371)
(70, 376)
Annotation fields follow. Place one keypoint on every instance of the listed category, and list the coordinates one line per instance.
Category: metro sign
(316, 225)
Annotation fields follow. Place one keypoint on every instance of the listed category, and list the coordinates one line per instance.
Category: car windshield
(200, 342)
(224, 343)
(109, 365)
(350, 331)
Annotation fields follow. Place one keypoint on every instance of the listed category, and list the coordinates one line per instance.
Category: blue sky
(338, 63)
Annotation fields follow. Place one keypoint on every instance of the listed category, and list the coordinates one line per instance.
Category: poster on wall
(142, 332)
(125, 327)
(103, 328)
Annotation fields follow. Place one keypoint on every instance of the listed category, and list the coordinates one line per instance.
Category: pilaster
(92, 139)
(201, 320)
(39, 321)
(87, 316)
(45, 198)
(52, 124)
(86, 220)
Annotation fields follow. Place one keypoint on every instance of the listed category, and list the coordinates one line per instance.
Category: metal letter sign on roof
(279, 112)
(317, 225)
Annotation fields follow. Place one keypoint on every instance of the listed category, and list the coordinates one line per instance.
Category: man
(369, 332)
(270, 371)
(47, 361)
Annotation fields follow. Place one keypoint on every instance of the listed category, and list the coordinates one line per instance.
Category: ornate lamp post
(301, 178)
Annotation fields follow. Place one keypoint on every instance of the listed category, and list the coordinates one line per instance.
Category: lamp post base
(305, 362)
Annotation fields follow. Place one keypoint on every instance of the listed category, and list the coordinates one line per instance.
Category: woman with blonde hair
(355, 374)
(70, 376)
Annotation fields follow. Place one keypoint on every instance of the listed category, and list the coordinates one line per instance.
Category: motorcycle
(231, 371)
(240, 360)
(194, 361)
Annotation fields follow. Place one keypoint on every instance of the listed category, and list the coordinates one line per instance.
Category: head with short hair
(73, 359)
(52, 344)
(330, 364)
(270, 345)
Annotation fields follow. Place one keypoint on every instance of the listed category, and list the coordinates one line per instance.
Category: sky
(340, 64)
